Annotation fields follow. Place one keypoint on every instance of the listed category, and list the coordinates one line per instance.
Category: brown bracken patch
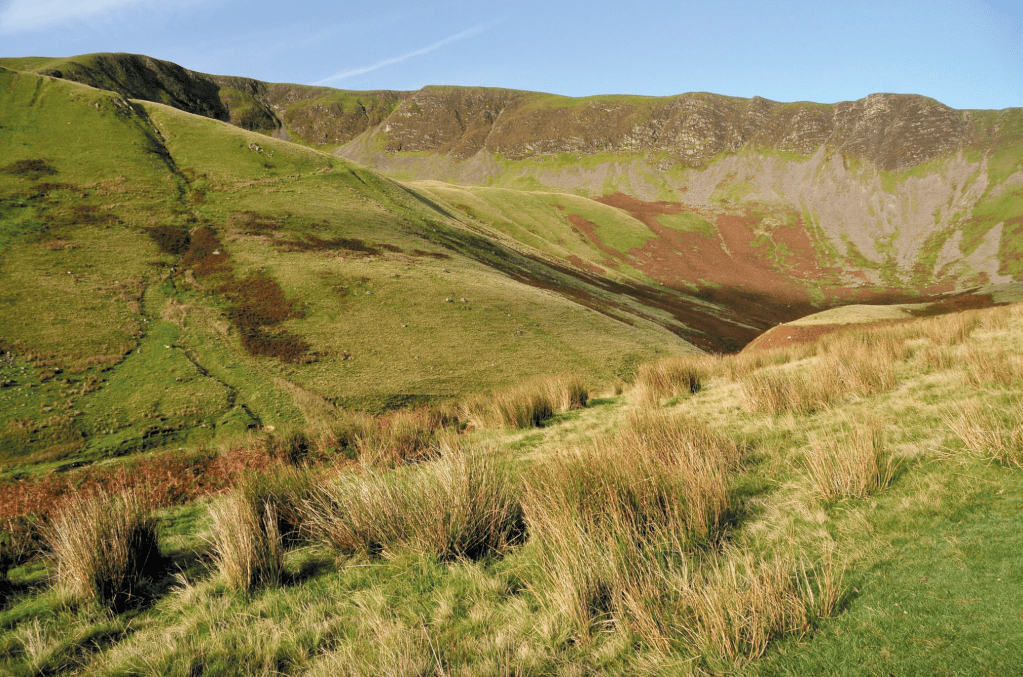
(585, 265)
(30, 169)
(756, 285)
(432, 255)
(953, 304)
(206, 255)
(789, 335)
(254, 222)
(258, 303)
(167, 479)
(313, 243)
(173, 240)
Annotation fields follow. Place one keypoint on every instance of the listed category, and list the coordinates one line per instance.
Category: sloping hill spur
(165, 274)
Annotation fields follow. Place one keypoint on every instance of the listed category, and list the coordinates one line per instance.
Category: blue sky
(965, 53)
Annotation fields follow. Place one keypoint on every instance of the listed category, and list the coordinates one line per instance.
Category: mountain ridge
(889, 194)
(894, 131)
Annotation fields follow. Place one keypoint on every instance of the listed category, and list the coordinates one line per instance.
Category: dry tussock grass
(997, 319)
(479, 412)
(736, 367)
(568, 392)
(623, 527)
(739, 603)
(949, 330)
(938, 358)
(247, 545)
(605, 514)
(105, 548)
(992, 364)
(989, 432)
(290, 445)
(399, 437)
(527, 405)
(857, 367)
(853, 465)
(775, 392)
(860, 364)
(893, 342)
(342, 434)
(670, 377)
(461, 505)
(284, 491)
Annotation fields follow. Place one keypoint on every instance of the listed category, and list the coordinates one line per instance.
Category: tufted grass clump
(400, 437)
(105, 548)
(461, 506)
(670, 377)
(989, 432)
(527, 405)
(568, 392)
(606, 515)
(247, 545)
(739, 602)
(853, 465)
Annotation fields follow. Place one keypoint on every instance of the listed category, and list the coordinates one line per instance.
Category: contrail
(468, 33)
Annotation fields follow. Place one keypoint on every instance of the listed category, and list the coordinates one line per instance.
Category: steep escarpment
(890, 131)
(140, 77)
(893, 191)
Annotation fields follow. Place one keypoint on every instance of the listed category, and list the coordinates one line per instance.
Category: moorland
(471, 381)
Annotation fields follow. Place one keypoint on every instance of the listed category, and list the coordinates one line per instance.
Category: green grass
(940, 602)
(370, 266)
(928, 584)
(687, 222)
(91, 375)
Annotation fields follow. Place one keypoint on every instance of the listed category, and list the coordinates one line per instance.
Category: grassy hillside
(316, 116)
(863, 524)
(266, 411)
(166, 277)
(850, 202)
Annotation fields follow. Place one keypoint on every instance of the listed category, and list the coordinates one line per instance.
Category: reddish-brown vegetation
(257, 302)
(253, 222)
(30, 169)
(314, 243)
(206, 255)
(173, 240)
(168, 479)
(432, 255)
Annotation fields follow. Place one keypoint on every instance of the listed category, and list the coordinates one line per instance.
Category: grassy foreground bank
(847, 508)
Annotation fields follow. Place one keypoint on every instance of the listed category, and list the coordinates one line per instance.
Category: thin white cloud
(457, 37)
(27, 15)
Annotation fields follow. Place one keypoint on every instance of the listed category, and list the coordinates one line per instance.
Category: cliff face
(141, 77)
(890, 131)
(895, 191)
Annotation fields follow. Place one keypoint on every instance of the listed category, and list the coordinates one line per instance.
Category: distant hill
(891, 193)
(510, 234)
(165, 277)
